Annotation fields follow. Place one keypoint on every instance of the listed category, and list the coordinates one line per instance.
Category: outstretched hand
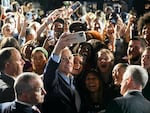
(61, 43)
(54, 15)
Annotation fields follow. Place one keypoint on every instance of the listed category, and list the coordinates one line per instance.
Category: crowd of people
(42, 71)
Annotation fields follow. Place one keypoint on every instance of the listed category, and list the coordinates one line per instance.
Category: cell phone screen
(75, 6)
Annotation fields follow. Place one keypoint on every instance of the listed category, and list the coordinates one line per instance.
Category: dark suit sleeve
(7, 94)
(50, 76)
(113, 107)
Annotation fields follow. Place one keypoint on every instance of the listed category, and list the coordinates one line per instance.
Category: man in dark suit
(134, 80)
(61, 93)
(29, 91)
(11, 65)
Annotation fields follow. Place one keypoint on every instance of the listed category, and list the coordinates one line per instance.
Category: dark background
(46, 5)
(53, 4)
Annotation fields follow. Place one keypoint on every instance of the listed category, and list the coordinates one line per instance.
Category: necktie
(77, 100)
(76, 95)
(71, 84)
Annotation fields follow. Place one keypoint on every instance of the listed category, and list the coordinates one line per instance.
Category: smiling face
(7, 30)
(104, 61)
(146, 32)
(58, 29)
(38, 61)
(78, 65)
(67, 62)
(145, 59)
(110, 28)
(134, 50)
(92, 82)
(85, 50)
(117, 74)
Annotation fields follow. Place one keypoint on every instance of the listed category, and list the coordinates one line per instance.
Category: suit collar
(9, 80)
(133, 92)
(24, 108)
(23, 103)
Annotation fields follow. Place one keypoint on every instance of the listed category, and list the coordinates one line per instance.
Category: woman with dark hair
(145, 62)
(92, 98)
(144, 27)
(9, 42)
(105, 63)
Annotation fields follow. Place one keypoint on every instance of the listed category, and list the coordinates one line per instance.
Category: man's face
(8, 30)
(67, 62)
(145, 59)
(146, 32)
(134, 49)
(36, 95)
(124, 84)
(31, 36)
(15, 64)
(58, 29)
(12, 22)
(117, 74)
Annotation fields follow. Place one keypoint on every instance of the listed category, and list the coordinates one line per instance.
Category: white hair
(138, 74)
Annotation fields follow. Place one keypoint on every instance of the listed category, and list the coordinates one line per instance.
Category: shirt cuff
(56, 58)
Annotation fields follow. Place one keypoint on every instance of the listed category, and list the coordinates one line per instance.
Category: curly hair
(143, 20)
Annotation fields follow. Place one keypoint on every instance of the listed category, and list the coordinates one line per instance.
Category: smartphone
(75, 6)
(28, 16)
(76, 37)
(51, 34)
(113, 18)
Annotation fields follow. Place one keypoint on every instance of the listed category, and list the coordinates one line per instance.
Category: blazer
(15, 107)
(133, 102)
(60, 97)
(146, 90)
(7, 93)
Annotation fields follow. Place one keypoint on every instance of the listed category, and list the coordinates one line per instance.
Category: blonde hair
(108, 53)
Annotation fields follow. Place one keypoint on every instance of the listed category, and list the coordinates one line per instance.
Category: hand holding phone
(73, 8)
(54, 15)
(50, 34)
(76, 37)
(76, 6)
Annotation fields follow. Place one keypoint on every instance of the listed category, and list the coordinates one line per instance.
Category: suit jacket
(133, 102)
(60, 97)
(15, 107)
(146, 90)
(7, 93)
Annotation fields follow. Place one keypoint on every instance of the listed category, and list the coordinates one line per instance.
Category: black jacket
(60, 97)
(15, 107)
(7, 93)
(133, 102)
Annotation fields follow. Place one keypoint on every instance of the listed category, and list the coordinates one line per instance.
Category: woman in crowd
(105, 63)
(39, 57)
(92, 100)
(145, 62)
